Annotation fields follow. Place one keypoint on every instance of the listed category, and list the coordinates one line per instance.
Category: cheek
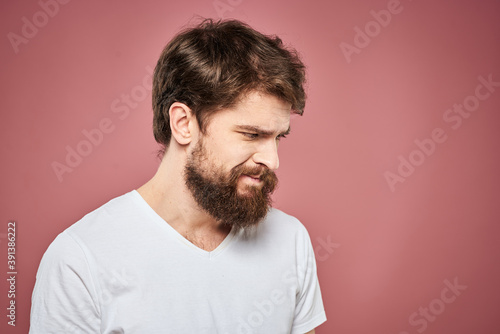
(232, 151)
(242, 154)
(227, 156)
(238, 158)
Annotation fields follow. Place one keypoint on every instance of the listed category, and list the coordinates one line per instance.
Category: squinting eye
(250, 135)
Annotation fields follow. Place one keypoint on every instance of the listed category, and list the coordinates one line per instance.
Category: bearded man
(198, 248)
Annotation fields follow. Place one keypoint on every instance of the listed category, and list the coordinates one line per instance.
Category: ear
(182, 123)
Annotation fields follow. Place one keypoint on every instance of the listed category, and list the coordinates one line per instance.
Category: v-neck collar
(165, 225)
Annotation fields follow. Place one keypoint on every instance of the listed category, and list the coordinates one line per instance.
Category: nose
(267, 154)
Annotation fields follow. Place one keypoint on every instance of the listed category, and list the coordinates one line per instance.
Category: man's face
(230, 171)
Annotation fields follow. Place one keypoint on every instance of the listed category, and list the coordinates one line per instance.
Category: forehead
(256, 109)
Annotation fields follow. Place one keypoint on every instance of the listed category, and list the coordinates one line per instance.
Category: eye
(250, 135)
(280, 137)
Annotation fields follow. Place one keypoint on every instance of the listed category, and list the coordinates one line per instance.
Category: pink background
(383, 252)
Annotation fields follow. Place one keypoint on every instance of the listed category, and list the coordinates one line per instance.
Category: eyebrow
(260, 131)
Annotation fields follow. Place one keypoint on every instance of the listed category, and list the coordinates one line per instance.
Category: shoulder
(118, 207)
(94, 222)
(114, 215)
(99, 230)
(62, 251)
(285, 223)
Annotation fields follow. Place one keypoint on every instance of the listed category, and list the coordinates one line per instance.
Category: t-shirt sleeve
(64, 299)
(309, 309)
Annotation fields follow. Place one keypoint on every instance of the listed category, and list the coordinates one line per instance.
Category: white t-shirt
(123, 269)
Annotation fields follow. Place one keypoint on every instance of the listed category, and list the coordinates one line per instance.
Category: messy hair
(211, 66)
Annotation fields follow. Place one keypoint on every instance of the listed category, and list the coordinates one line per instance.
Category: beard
(217, 193)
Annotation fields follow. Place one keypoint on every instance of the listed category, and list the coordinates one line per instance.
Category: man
(197, 249)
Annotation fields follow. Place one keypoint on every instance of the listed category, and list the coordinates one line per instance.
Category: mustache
(265, 174)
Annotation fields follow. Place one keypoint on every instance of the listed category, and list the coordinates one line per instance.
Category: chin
(248, 191)
(245, 193)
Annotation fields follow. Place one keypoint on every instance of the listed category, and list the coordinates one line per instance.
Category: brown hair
(209, 67)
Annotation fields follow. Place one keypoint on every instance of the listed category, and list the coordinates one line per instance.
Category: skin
(247, 134)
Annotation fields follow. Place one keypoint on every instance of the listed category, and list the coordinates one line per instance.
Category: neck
(168, 195)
